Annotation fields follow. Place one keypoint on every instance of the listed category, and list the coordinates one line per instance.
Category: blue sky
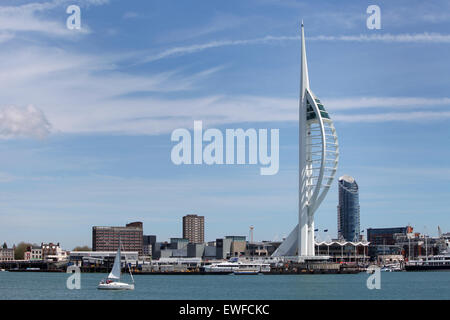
(86, 115)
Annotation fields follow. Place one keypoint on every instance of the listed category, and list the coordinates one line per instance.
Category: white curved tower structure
(318, 160)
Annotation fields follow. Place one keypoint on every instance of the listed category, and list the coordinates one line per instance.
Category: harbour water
(394, 285)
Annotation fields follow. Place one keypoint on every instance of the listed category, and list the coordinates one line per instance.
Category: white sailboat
(112, 282)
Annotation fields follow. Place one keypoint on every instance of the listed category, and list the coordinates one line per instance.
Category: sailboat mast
(126, 262)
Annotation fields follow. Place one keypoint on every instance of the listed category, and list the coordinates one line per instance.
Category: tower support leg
(311, 242)
(303, 233)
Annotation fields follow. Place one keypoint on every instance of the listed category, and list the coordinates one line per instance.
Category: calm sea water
(394, 285)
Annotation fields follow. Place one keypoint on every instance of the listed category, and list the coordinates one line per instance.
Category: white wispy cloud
(89, 95)
(399, 38)
(23, 122)
(6, 36)
(394, 116)
(182, 50)
(424, 37)
(85, 93)
(6, 177)
(385, 102)
(392, 109)
(130, 15)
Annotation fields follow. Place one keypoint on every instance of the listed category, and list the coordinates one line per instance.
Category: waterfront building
(107, 238)
(195, 250)
(262, 249)
(33, 253)
(223, 248)
(415, 245)
(238, 245)
(210, 252)
(230, 246)
(52, 252)
(387, 241)
(318, 160)
(194, 228)
(344, 251)
(86, 258)
(348, 210)
(148, 244)
(385, 236)
(156, 250)
(6, 254)
(178, 243)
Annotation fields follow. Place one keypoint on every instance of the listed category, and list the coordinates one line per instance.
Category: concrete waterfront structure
(148, 244)
(348, 210)
(80, 258)
(194, 228)
(178, 243)
(238, 245)
(318, 160)
(107, 238)
(223, 248)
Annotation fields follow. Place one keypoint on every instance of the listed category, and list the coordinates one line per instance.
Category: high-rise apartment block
(194, 228)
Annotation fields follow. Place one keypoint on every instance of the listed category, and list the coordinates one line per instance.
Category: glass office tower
(348, 209)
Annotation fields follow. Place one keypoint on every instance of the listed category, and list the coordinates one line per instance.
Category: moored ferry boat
(237, 267)
(431, 263)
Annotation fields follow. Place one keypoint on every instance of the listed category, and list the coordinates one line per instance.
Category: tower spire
(304, 72)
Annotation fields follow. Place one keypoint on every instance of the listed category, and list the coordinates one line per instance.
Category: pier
(288, 268)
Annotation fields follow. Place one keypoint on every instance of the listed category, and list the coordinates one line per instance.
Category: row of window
(310, 114)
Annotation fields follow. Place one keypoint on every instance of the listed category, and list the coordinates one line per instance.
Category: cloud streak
(387, 38)
(109, 103)
(394, 116)
(385, 102)
(424, 37)
(182, 50)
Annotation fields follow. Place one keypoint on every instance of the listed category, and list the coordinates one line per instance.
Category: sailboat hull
(115, 286)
